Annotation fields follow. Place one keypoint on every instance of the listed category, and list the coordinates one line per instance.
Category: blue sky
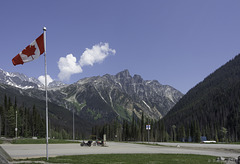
(175, 42)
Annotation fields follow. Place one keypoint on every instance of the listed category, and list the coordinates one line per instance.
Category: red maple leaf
(29, 50)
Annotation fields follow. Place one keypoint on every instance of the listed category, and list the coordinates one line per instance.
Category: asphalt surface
(17, 151)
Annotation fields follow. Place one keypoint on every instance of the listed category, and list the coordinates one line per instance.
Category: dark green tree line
(135, 130)
(30, 123)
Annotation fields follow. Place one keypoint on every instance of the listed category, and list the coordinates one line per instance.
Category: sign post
(16, 129)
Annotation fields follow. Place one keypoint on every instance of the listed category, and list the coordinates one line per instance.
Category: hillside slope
(212, 106)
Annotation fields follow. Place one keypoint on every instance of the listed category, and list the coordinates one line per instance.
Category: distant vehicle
(98, 143)
(89, 143)
(209, 142)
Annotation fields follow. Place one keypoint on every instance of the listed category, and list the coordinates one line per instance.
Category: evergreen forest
(212, 106)
(30, 122)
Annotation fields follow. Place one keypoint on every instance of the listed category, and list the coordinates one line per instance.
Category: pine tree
(163, 132)
(223, 133)
(181, 134)
(34, 121)
(1, 118)
(216, 135)
(133, 128)
(26, 123)
(192, 131)
(198, 133)
(11, 122)
(21, 118)
(5, 115)
(173, 133)
(142, 127)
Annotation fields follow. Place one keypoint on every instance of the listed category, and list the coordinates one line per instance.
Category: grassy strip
(41, 141)
(132, 158)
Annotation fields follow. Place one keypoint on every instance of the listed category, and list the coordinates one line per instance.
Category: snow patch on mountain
(22, 81)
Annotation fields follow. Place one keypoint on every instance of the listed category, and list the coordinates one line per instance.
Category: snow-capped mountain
(21, 81)
(56, 84)
(101, 98)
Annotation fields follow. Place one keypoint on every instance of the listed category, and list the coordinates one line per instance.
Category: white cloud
(96, 55)
(68, 65)
(42, 79)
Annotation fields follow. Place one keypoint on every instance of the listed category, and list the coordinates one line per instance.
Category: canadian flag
(31, 52)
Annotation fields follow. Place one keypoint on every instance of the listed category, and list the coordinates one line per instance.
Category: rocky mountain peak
(123, 74)
(122, 91)
(137, 79)
(56, 84)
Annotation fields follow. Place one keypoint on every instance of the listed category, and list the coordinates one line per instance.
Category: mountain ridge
(22, 81)
(137, 89)
(106, 96)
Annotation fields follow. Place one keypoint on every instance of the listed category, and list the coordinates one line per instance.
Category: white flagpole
(44, 33)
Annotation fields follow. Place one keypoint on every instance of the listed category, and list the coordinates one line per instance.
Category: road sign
(148, 127)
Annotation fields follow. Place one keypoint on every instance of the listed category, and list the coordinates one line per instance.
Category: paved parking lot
(39, 150)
